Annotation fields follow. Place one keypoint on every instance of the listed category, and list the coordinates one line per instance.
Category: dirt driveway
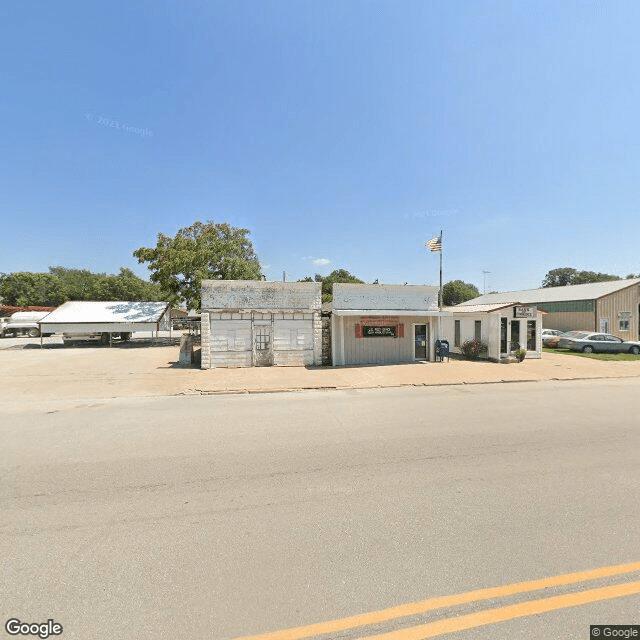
(74, 374)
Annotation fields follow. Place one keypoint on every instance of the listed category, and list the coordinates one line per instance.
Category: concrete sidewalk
(33, 375)
(551, 367)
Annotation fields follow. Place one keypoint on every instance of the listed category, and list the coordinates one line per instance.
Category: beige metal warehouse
(609, 307)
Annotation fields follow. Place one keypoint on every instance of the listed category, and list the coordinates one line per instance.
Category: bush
(472, 349)
(518, 351)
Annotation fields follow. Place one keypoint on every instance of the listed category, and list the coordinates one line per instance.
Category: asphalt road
(226, 516)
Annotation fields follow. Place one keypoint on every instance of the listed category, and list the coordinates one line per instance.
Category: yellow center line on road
(441, 602)
(501, 614)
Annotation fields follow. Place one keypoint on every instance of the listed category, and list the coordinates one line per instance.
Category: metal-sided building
(383, 324)
(248, 323)
(499, 326)
(110, 319)
(608, 307)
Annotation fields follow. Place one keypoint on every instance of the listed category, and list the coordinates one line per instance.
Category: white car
(550, 335)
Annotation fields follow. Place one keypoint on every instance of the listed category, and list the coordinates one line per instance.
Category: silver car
(598, 343)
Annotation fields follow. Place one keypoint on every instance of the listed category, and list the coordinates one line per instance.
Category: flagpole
(440, 300)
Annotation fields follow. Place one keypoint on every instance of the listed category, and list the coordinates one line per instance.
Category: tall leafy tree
(23, 289)
(563, 276)
(457, 291)
(584, 277)
(560, 277)
(204, 250)
(337, 275)
(78, 284)
(62, 284)
(126, 286)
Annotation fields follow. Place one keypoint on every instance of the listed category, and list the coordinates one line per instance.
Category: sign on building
(525, 312)
(379, 332)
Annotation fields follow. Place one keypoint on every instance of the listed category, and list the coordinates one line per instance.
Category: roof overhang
(391, 312)
(97, 327)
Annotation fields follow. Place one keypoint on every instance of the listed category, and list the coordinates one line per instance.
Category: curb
(218, 392)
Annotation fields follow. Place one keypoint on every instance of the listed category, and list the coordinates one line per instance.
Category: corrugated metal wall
(381, 350)
(611, 306)
(569, 321)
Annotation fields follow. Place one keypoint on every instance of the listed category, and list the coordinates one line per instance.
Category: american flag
(435, 244)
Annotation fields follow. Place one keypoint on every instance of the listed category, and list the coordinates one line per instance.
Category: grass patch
(594, 356)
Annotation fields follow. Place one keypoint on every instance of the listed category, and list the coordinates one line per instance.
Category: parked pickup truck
(24, 323)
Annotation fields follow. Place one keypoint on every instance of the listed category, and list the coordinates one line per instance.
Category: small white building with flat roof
(502, 327)
(384, 324)
(253, 323)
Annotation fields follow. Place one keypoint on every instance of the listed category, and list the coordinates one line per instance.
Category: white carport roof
(115, 316)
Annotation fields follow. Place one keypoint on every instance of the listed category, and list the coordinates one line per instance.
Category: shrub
(472, 349)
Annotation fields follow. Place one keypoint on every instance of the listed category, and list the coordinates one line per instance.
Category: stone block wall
(205, 339)
(317, 339)
(326, 341)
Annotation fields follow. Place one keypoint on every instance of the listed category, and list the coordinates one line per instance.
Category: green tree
(337, 275)
(24, 288)
(78, 284)
(585, 277)
(126, 286)
(563, 276)
(457, 291)
(560, 277)
(205, 250)
(62, 284)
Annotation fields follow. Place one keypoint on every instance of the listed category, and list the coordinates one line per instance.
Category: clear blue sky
(342, 132)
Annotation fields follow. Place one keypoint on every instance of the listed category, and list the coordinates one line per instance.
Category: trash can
(442, 350)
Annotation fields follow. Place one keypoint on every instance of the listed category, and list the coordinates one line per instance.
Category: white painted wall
(490, 331)
(232, 309)
(256, 295)
(385, 296)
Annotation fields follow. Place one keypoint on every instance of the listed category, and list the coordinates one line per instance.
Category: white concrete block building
(247, 323)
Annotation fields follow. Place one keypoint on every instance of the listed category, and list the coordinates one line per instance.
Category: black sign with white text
(379, 332)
